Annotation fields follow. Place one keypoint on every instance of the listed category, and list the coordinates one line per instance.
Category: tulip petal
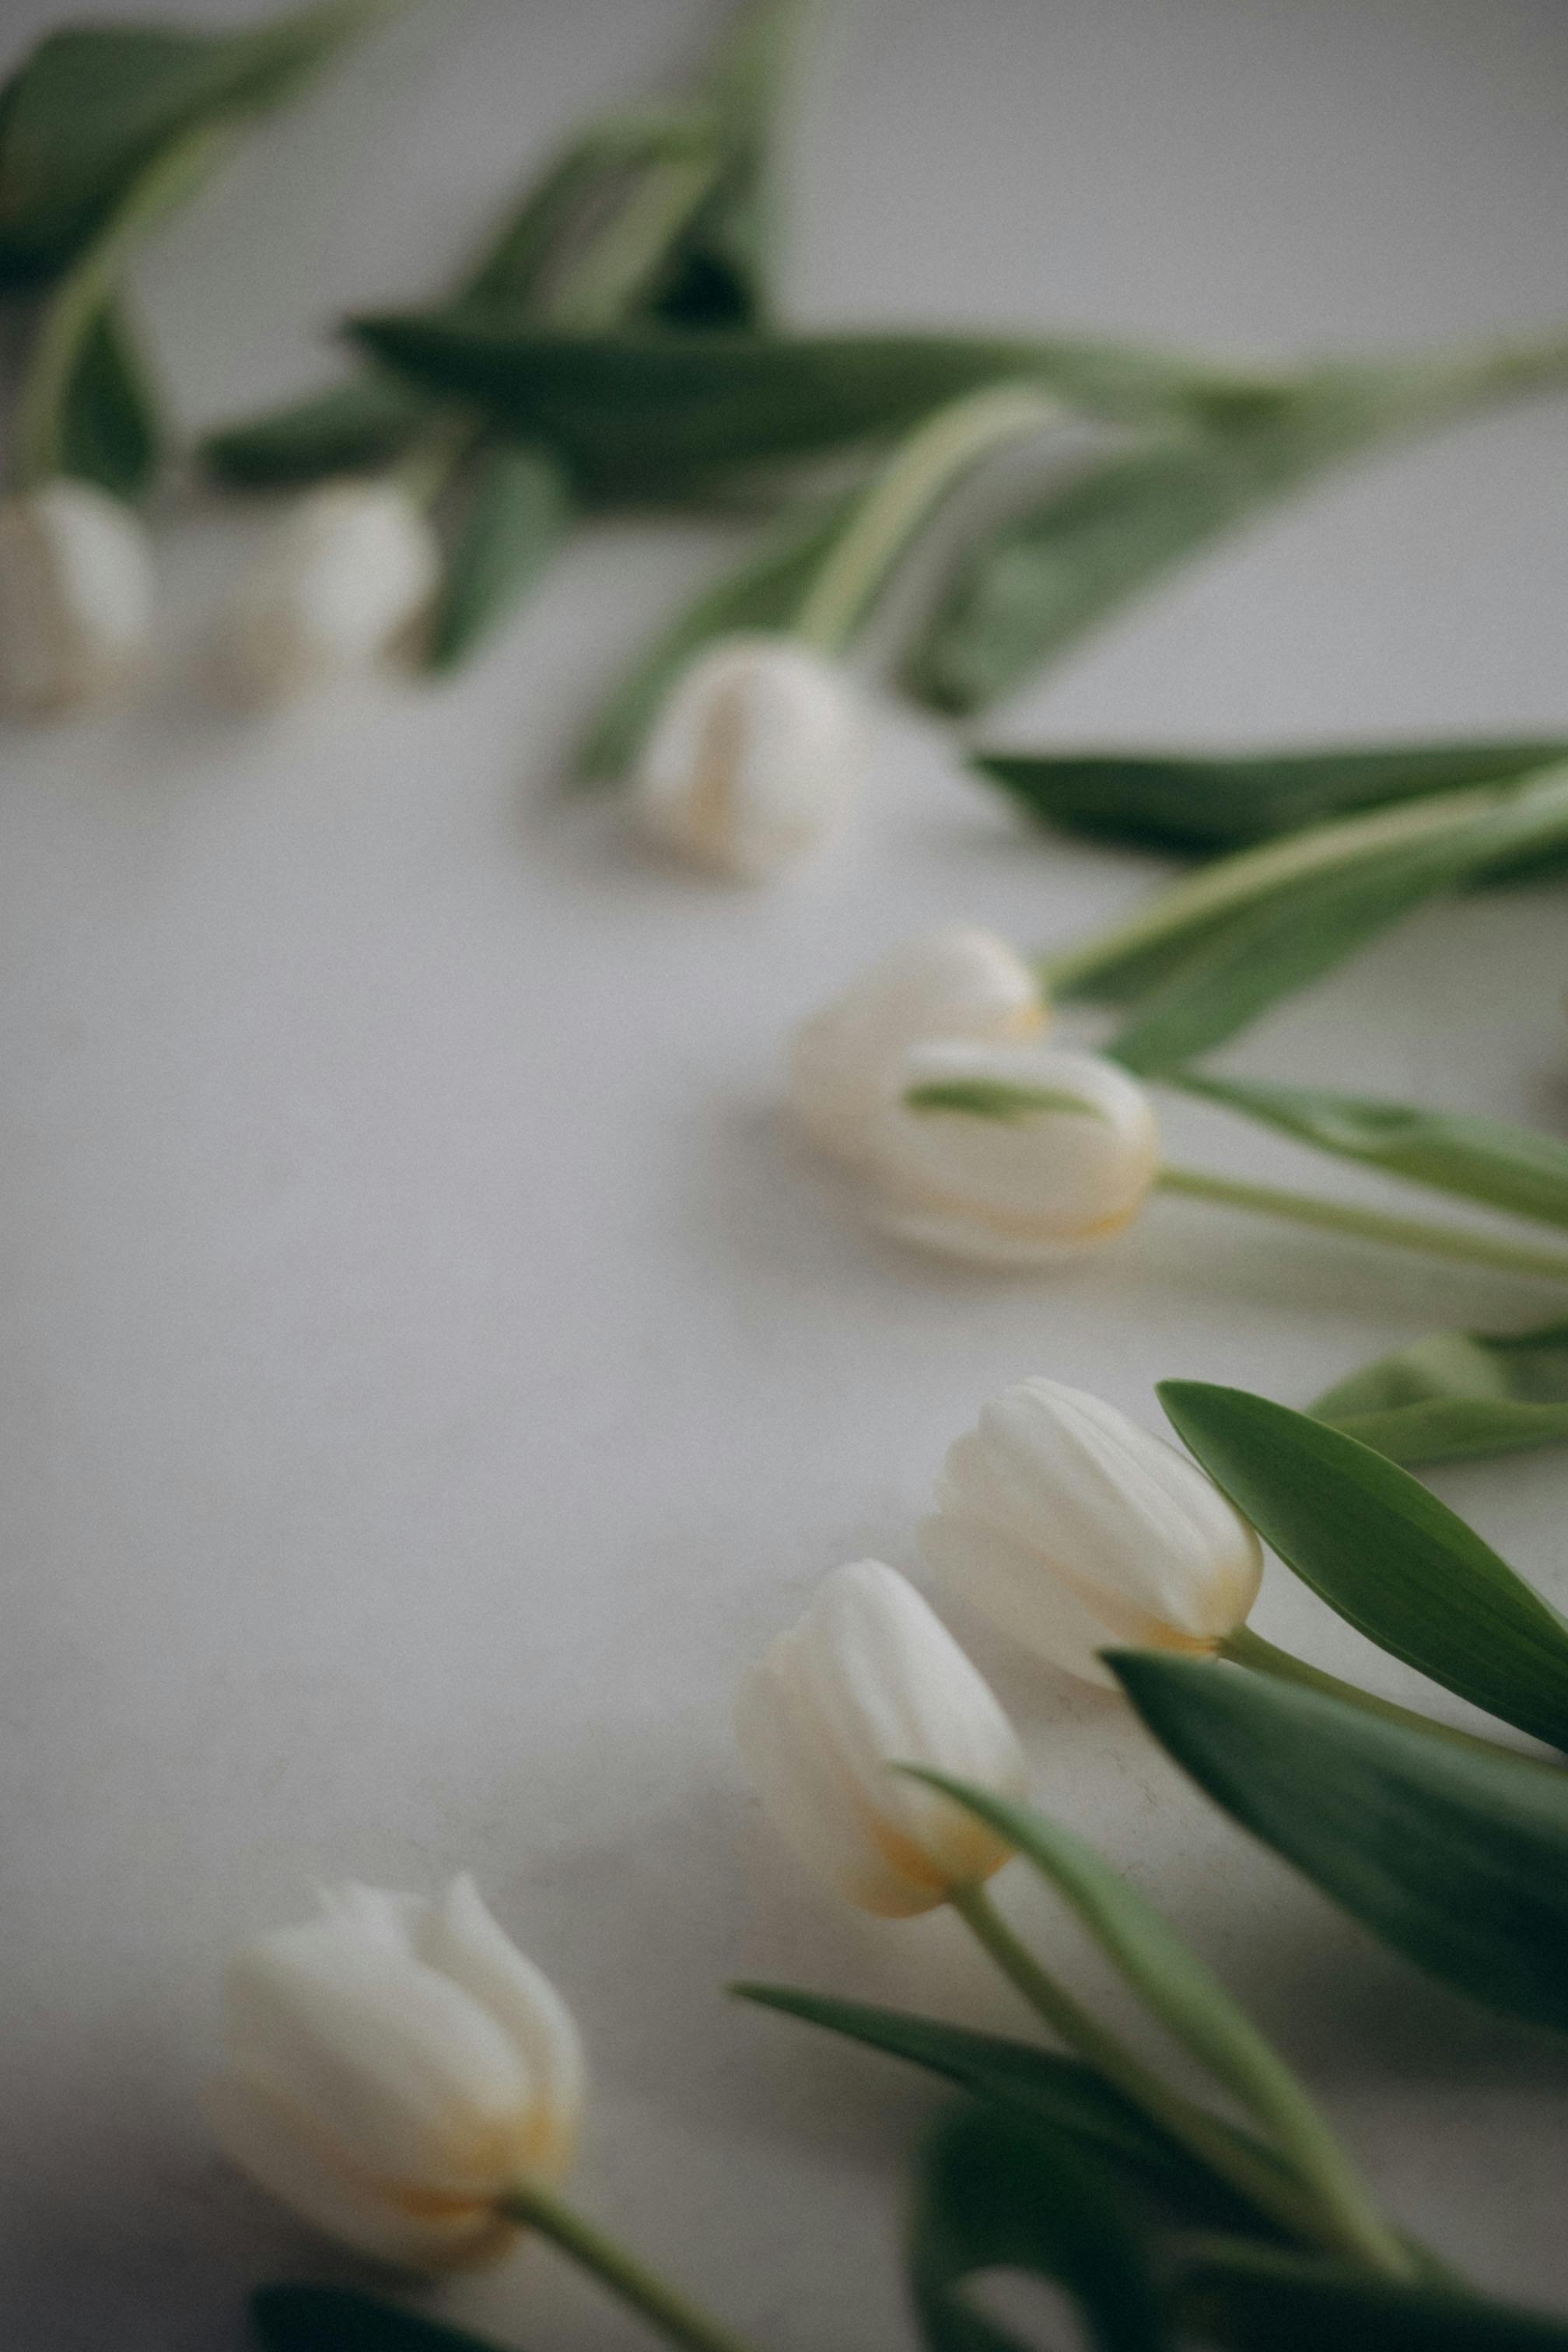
(460, 1936)
(1005, 1581)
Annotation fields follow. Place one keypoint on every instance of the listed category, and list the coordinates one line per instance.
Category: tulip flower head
(954, 983)
(347, 574)
(1074, 1530)
(870, 1678)
(754, 758)
(76, 597)
(1010, 1155)
(395, 2066)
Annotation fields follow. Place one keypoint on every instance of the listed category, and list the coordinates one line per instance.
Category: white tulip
(346, 573)
(754, 757)
(394, 2067)
(958, 982)
(870, 1678)
(1074, 1532)
(1011, 1155)
(76, 597)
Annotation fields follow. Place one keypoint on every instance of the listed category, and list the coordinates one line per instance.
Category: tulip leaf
(304, 2318)
(357, 427)
(1385, 1554)
(518, 511)
(1063, 2092)
(1458, 1394)
(1511, 1168)
(997, 2191)
(1111, 531)
(91, 108)
(1455, 1854)
(109, 429)
(1213, 803)
(1252, 2299)
(761, 593)
(996, 1099)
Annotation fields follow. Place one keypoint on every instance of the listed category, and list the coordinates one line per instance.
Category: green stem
(1367, 1224)
(930, 462)
(670, 2313)
(632, 244)
(1245, 1648)
(1263, 2184)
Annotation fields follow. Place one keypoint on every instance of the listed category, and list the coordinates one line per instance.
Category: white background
(430, 1369)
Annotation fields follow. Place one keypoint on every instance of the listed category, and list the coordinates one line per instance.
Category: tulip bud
(954, 983)
(1074, 1530)
(754, 759)
(870, 1678)
(346, 573)
(394, 2067)
(76, 597)
(1011, 1155)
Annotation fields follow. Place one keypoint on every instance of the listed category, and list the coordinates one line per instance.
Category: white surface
(430, 1371)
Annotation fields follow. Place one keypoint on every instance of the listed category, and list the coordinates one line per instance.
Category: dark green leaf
(1512, 1167)
(1453, 1853)
(641, 406)
(90, 108)
(1241, 965)
(1112, 531)
(1384, 1553)
(518, 511)
(1224, 802)
(339, 2319)
(1062, 2091)
(761, 593)
(1457, 1394)
(110, 431)
(994, 1098)
(1250, 2300)
(357, 427)
(996, 2192)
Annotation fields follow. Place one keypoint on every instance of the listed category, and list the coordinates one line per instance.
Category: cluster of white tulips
(344, 578)
(932, 1079)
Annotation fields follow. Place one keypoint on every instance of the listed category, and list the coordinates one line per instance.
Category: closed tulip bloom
(754, 758)
(76, 597)
(958, 982)
(347, 574)
(870, 1678)
(394, 2067)
(1010, 1155)
(1075, 1531)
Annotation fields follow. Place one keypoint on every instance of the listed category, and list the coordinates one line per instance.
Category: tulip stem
(919, 473)
(1245, 1648)
(1265, 2181)
(1367, 1224)
(536, 2208)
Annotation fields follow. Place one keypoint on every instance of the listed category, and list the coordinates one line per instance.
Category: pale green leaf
(519, 510)
(994, 1098)
(1457, 1394)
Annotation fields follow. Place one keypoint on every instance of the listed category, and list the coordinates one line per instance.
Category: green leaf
(339, 2319)
(357, 427)
(1457, 1394)
(519, 512)
(1385, 1554)
(1266, 951)
(996, 2192)
(1512, 1167)
(92, 108)
(1217, 803)
(762, 593)
(994, 1098)
(1453, 1853)
(1114, 530)
(1249, 2300)
(1064, 2093)
(111, 430)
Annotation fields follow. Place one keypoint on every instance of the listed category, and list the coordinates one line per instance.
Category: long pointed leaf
(518, 511)
(340, 2319)
(1248, 2300)
(1457, 1394)
(110, 428)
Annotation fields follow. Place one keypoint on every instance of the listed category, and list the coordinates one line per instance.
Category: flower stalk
(532, 2207)
(1431, 1238)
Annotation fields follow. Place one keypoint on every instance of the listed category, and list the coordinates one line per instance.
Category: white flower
(1074, 1532)
(1014, 1155)
(346, 573)
(867, 1679)
(76, 597)
(957, 982)
(394, 2067)
(754, 757)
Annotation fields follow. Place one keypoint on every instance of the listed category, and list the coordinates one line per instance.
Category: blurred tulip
(76, 597)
